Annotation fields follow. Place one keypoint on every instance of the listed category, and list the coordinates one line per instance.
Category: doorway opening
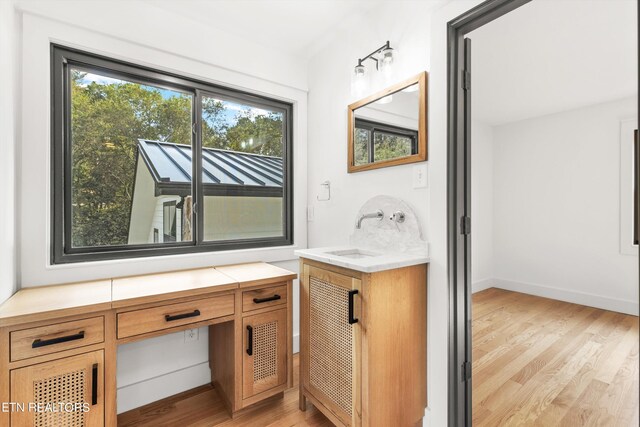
(541, 212)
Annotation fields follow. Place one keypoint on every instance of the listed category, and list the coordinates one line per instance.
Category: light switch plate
(420, 176)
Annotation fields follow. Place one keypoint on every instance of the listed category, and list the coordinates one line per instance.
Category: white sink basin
(353, 253)
(364, 260)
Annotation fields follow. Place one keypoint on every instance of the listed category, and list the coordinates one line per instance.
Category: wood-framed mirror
(389, 128)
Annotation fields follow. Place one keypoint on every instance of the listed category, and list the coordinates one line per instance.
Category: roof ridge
(208, 148)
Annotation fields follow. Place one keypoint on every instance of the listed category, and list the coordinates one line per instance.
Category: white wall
(557, 208)
(481, 205)
(419, 34)
(9, 45)
(137, 32)
(329, 94)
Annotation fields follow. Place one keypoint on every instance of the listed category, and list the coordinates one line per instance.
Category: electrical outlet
(420, 176)
(191, 335)
(310, 213)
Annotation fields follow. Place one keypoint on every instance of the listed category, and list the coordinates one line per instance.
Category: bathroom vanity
(363, 321)
(364, 343)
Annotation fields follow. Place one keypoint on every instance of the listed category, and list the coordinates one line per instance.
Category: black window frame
(62, 59)
(377, 127)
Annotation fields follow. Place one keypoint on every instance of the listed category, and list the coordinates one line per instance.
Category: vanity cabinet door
(331, 341)
(265, 352)
(67, 392)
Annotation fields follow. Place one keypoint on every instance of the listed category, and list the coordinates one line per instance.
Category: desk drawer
(139, 322)
(57, 337)
(264, 297)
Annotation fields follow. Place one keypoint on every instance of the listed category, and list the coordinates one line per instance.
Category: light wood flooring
(202, 407)
(543, 362)
(536, 361)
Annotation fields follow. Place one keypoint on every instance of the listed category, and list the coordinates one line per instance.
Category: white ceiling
(553, 55)
(296, 27)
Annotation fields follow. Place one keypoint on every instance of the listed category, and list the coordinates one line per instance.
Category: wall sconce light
(383, 58)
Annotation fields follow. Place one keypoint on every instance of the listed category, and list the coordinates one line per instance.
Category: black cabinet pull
(352, 320)
(276, 297)
(250, 340)
(94, 384)
(42, 343)
(170, 318)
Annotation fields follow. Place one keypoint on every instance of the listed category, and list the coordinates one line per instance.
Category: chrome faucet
(377, 215)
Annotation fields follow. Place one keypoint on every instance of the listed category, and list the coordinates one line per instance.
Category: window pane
(390, 146)
(242, 170)
(361, 146)
(130, 155)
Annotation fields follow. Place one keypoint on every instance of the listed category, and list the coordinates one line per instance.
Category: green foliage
(107, 121)
(387, 146)
(251, 133)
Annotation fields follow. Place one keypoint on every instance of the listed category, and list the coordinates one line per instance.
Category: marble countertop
(379, 261)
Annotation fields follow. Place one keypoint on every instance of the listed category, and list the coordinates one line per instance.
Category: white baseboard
(576, 297)
(141, 393)
(481, 285)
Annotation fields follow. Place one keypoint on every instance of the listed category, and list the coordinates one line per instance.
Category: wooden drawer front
(169, 316)
(57, 337)
(264, 297)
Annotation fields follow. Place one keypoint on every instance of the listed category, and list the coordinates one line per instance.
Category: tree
(106, 122)
(109, 117)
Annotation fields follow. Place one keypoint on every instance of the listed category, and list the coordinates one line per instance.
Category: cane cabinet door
(67, 392)
(265, 352)
(331, 307)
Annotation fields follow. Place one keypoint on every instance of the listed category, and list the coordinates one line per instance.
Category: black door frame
(459, 201)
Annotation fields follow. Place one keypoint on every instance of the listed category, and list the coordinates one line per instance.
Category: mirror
(389, 128)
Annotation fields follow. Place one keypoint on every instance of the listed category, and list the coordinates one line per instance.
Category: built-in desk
(58, 343)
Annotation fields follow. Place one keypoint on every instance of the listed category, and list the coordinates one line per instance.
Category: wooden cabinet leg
(303, 401)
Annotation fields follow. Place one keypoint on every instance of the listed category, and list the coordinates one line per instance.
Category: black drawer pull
(352, 320)
(250, 340)
(170, 318)
(42, 343)
(276, 297)
(94, 384)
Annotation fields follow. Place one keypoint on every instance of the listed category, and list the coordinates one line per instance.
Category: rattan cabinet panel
(332, 347)
(63, 393)
(265, 356)
(363, 341)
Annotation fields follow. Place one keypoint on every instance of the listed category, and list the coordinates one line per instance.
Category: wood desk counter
(135, 290)
(256, 273)
(46, 302)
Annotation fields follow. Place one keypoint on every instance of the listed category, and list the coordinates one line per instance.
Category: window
(375, 142)
(169, 217)
(149, 163)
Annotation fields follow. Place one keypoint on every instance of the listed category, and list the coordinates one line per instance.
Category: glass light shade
(387, 99)
(358, 81)
(386, 59)
(411, 89)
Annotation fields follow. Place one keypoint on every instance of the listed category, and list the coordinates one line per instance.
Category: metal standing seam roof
(225, 173)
